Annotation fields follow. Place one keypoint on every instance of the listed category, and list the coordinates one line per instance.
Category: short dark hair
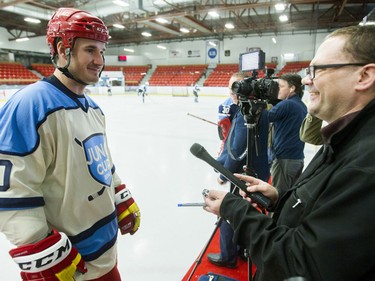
(293, 80)
(360, 43)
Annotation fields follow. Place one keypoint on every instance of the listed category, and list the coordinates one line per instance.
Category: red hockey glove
(52, 259)
(128, 214)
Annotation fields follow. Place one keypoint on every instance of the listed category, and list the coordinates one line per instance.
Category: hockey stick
(200, 118)
(220, 129)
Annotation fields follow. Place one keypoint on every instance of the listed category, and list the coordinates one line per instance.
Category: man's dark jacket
(323, 227)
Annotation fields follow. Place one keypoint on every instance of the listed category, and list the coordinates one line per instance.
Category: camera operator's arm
(310, 130)
(234, 147)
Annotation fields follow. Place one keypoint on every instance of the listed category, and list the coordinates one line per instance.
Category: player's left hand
(128, 214)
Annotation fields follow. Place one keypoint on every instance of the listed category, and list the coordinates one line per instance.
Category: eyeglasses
(310, 71)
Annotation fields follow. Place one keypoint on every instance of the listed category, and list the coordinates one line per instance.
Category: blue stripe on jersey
(26, 110)
(93, 242)
(7, 204)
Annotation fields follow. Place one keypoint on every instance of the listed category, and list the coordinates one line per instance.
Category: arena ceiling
(190, 20)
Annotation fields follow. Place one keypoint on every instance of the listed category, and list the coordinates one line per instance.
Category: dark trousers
(228, 249)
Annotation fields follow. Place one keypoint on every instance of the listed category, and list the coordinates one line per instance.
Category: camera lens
(236, 86)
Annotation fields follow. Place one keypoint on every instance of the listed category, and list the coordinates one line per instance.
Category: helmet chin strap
(65, 70)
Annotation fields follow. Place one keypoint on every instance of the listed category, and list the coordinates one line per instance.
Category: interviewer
(323, 227)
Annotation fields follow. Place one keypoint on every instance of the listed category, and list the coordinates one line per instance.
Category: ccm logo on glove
(45, 259)
(53, 258)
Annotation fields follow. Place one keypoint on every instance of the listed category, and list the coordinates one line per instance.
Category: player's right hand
(51, 259)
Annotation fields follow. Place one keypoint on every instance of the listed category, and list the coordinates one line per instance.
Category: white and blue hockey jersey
(227, 109)
(55, 162)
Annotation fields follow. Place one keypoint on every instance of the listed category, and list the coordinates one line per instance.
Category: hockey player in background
(195, 92)
(61, 200)
(226, 112)
(142, 91)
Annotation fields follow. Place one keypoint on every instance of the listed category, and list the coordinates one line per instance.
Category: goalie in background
(61, 199)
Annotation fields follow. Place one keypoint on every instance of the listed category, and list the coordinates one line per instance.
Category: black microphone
(200, 152)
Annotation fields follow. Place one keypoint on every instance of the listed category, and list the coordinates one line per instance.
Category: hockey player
(226, 112)
(195, 92)
(142, 91)
(61, 201)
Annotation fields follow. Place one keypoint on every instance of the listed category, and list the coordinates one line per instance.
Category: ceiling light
(274, 40)
(161, 47)
(118, 25)
(213, 14)
(161, 20)
(146, 34)
(229, 25)
(212, 43)
(129, 50)
(22, 39)
(159, 2)
(369, 19)
(283, 18)
(280, 7)
(120, 3)
(32, 20)
(184, 30)
(367, 23)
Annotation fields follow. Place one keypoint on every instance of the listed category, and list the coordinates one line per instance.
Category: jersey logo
(97, 159)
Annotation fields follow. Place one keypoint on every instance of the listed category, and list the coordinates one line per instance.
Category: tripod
(251, 112)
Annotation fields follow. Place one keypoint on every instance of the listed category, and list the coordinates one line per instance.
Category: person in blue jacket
(287, 147)
(233, 158)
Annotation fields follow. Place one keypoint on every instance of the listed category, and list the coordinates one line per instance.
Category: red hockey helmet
(69, 24)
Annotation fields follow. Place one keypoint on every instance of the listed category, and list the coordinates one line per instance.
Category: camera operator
(322, 228)
(310, 130)
(233, 158)
(287, 148)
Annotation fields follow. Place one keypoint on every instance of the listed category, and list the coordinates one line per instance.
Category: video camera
(252, 88)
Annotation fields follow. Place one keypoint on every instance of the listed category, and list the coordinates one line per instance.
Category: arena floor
(150, 144)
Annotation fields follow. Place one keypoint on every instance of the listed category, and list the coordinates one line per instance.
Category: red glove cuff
(48, 259)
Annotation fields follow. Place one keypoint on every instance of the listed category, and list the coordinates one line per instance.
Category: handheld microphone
(200, 152)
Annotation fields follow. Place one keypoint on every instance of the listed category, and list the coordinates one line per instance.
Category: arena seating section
(293, 67)
(133, 74)
(43, 68)
(13, 73)
(177, 75)
(220, 76)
